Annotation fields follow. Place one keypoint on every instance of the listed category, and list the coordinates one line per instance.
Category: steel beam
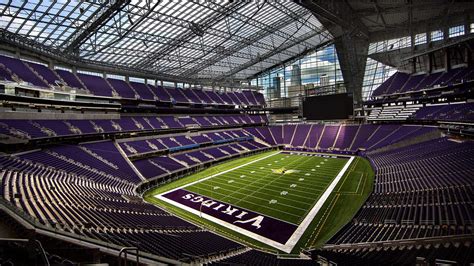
(25, 44)
(189, 34)
(339, 14)
(85, 31)
(240, 46)
(301, 38)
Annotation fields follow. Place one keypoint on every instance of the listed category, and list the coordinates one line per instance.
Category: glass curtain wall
(375, 74)
(317, 70)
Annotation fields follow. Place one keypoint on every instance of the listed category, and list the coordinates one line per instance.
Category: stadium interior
(279, 132)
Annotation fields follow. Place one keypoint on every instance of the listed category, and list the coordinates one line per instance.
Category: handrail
(25, 240)
(29, 221)
(124, 251)
(42, 251)
(401, 242)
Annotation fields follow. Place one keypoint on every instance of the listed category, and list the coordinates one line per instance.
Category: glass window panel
(134, 79)
(420, 38)
(375, 74)
(456, 31)
(437, 35)
(112, 76)
(168, 84)
(90, 73)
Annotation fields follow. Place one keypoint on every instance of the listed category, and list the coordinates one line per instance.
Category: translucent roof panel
(187, 39)
(47, 22)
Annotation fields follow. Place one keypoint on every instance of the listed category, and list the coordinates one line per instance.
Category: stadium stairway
(243, 147)
(38, 75)
(105, 178)
(431, 135)
(259, 140)
(208, 155)
(223, 256)
(179, 161)
(418, 196)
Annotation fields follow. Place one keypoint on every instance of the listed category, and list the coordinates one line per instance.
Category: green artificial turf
(262, 187)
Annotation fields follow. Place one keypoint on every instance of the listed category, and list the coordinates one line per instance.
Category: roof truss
(182, 39)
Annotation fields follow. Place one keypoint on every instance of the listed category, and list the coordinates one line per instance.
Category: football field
(272, 199)
(283, 186)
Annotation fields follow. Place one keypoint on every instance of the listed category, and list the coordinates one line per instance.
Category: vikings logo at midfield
(283, 171)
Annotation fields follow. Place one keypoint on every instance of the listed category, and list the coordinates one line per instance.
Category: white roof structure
(210, 40)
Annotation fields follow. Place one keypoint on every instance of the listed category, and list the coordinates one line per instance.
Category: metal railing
(125, 251)
(57, 233)
(31, 241)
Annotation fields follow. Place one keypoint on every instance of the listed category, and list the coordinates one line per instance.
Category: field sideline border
(293, 240)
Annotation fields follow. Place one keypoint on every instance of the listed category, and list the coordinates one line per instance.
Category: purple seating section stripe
(20, 68)
(446, 112)
(95, 84)
(421, 190)
(32, 129)
(339, 137)
(425, 185)
(161, 93)
(42, 76)
(402, 82)
(70, 78)
(122, 88)
(143, 90)
(300, 136)
(45, 72)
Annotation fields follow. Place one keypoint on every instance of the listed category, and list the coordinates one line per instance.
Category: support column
(447, 59)
(467, 54)
(352, 53)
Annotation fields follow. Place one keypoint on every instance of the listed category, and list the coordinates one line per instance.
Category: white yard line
(251, 202)
(319, 204)
(278, 190)
(289, 245)
(220, 173)
(253, 196)
(257, 190)
(360, 180)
